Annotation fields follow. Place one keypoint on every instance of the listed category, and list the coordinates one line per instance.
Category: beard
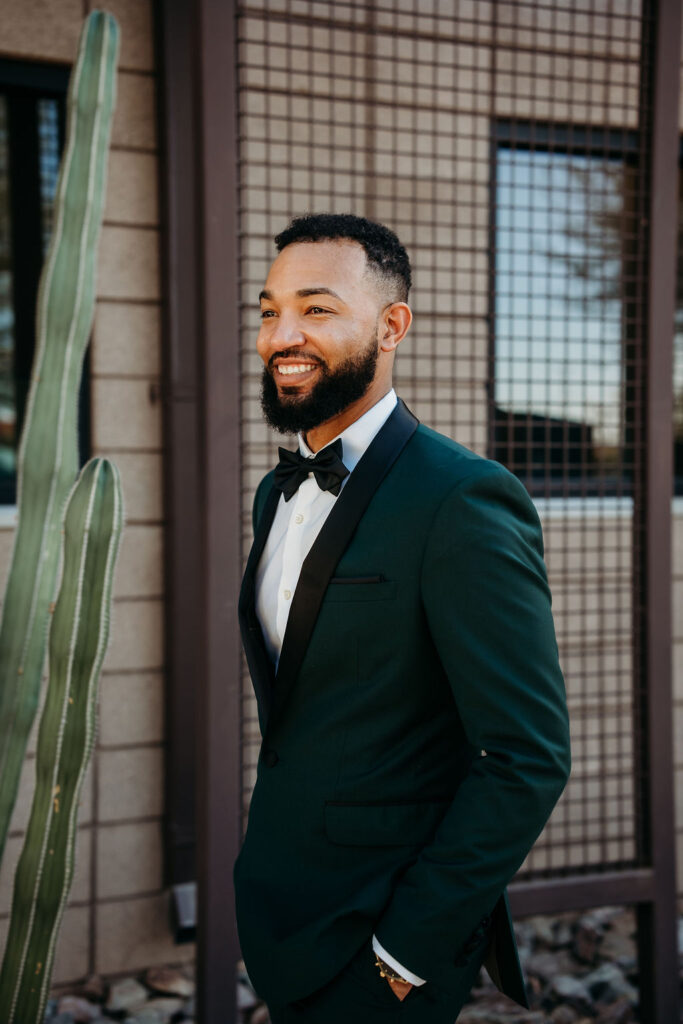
(333, 392)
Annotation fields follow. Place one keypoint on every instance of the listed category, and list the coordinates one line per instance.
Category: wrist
(388, 972)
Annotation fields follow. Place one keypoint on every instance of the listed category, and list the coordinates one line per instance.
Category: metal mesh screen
(501, 143)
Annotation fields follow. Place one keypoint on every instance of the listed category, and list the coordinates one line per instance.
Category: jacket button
(270, 758)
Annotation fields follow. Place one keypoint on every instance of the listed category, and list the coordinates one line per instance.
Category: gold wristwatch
(388, 972)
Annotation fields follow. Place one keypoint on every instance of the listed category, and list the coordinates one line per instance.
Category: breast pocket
(360, 588)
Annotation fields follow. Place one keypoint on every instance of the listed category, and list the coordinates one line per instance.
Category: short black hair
(385, 254)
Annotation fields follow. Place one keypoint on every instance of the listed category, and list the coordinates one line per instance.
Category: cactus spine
(78, 638)
(48, 454)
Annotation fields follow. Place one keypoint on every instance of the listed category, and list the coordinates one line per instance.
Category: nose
(287, 333)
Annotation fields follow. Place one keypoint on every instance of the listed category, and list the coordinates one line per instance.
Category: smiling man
(396, 619)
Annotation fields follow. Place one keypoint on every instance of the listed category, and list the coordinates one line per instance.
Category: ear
(395, 320)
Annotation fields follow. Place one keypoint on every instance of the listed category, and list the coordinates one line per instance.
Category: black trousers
(359, 995)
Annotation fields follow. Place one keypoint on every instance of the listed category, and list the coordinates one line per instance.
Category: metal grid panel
(468, 132)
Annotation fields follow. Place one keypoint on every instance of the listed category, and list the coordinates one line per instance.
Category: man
(397, 625)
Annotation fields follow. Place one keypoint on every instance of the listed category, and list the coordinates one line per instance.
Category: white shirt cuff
(399, 968)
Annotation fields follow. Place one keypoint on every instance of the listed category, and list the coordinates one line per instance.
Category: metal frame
(219, 698)
(202, 475)
(181, 395)
(200, 183)
(651, 889)
(657, 941)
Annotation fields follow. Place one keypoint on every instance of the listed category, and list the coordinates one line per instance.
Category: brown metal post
(181, 411)
(219, 698)
(196, 44)
(657, 920)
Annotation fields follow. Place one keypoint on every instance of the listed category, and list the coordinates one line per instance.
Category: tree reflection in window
(678, 351)
(565, 322)
(7, 383)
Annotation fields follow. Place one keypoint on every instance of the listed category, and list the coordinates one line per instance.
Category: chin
(292, 394)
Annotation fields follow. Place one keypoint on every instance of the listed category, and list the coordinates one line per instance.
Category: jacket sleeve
(488, 609)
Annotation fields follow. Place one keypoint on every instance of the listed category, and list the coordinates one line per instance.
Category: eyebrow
(303, 293)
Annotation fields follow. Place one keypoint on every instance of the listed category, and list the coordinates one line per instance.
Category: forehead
(339, 265)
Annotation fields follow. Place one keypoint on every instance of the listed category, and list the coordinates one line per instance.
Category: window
(32, 128)
(565, 314)
(678, 346)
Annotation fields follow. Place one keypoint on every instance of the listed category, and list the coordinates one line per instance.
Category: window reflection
(7, 383)
(563, 234)
(29, 167)
(678, 351)
(48, 149)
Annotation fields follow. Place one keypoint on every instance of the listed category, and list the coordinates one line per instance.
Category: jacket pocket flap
(398, 824)
(354, 589)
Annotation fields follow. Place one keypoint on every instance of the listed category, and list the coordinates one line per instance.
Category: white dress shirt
(296, 525)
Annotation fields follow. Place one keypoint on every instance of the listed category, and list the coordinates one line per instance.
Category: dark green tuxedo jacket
(415, 737)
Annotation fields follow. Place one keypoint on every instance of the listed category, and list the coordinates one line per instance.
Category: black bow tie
(326, 466)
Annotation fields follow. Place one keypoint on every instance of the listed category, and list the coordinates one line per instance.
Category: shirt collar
(358, 435)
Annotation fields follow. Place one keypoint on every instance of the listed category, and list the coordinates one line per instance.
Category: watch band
(388, 972)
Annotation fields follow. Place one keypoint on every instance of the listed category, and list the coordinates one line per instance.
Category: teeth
(289, 368)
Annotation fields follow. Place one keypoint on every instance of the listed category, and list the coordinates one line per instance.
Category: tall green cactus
(48, 451)
(78, 638)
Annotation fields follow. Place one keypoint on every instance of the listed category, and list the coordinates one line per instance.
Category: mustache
(303, 357)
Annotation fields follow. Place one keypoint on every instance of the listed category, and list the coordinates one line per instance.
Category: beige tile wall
(117, 917)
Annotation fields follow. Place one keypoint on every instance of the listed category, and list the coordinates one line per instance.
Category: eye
(266, 314)
(317, 310)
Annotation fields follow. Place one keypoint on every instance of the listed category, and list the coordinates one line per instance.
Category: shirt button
(287, 594)
(298, 518)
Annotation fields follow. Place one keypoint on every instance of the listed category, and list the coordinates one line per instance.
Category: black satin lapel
(332, 541)
(260, 666)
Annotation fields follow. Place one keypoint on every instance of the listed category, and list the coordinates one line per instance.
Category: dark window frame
(24, 83)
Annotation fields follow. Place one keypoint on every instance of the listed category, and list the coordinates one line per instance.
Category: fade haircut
(387, 258)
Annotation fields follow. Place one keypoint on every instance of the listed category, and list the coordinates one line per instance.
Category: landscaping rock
(619, 948)
(543, 931)
(607, 984)
(547, 964)
(169, 981)
(564, 1015)
(94, 989)
(620, 1012)
(168, 1006)
(564, 934)
(574, 992)
(147, 1016)
(587, 939)
(80, 1009)
(127, 996)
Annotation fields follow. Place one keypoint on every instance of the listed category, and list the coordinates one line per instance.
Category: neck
(319, 436)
